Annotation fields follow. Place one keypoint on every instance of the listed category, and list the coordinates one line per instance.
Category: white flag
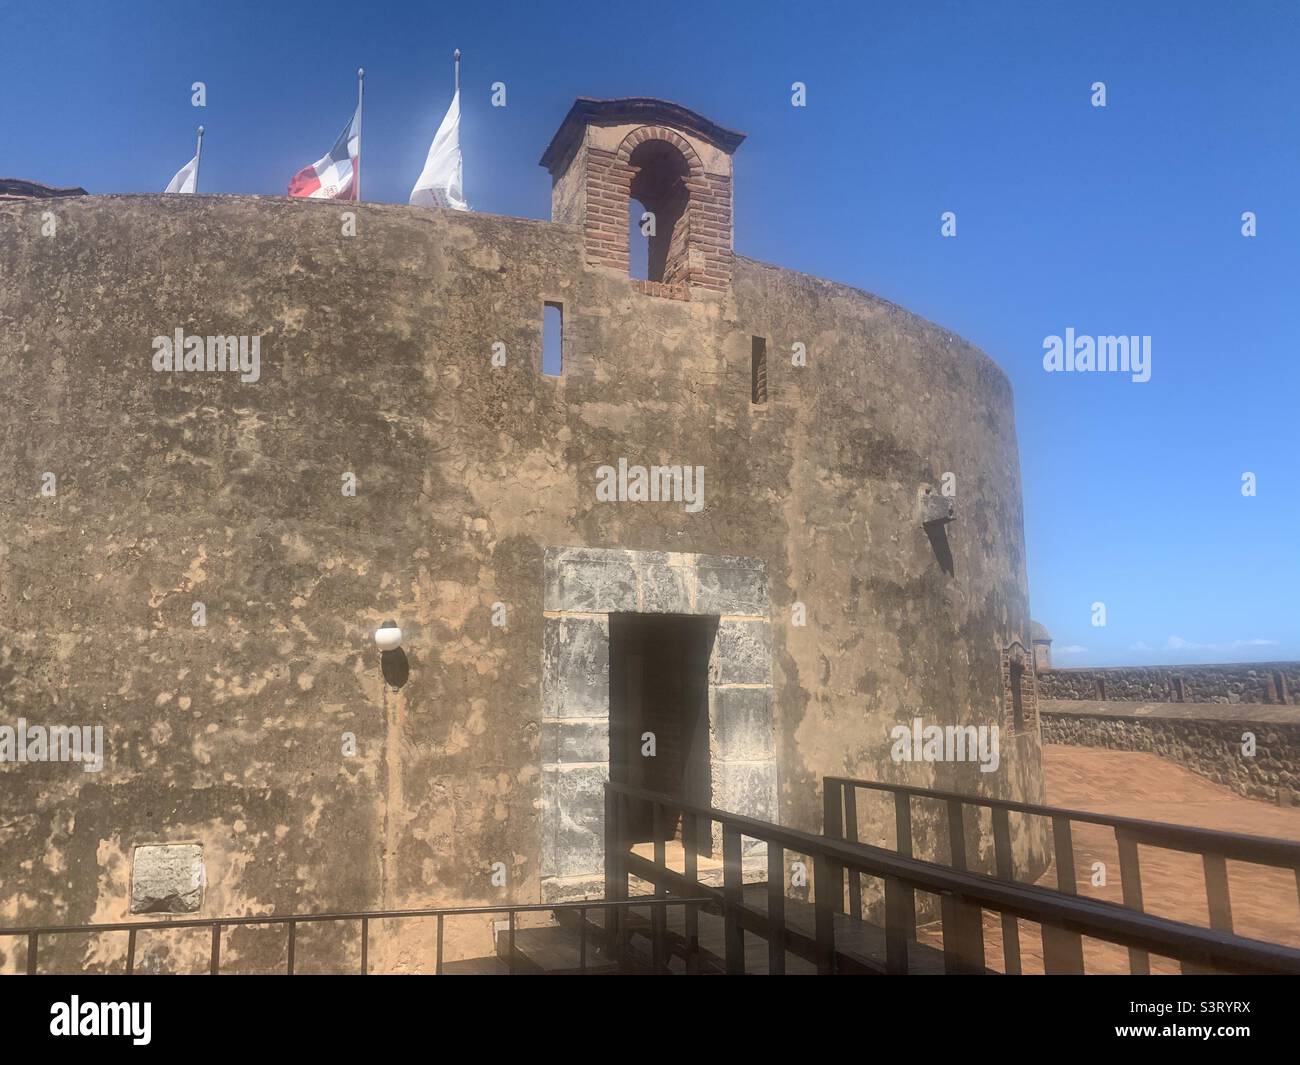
(439, 184)
(186, 177)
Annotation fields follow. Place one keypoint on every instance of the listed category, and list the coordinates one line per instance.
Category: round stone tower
(762, 517)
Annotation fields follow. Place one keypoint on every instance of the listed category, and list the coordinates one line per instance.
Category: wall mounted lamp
(388, 637)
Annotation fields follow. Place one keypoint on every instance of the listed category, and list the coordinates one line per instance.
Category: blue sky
(1122, 220)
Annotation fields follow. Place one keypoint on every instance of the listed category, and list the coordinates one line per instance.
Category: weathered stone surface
(666, 589)
(744, 653)
(590, 581)
(747, 788)
(576, 664)
(574, 841)
(167, 878)
(732, 586)
(575, 741)
(742, 723)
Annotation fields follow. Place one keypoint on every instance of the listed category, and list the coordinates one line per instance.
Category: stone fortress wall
(1235, 724)
(1275, 683)
(267, 741)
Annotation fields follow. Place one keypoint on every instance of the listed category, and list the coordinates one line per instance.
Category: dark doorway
(659, 684)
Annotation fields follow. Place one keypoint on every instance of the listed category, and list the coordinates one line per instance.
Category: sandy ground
(1121, 783)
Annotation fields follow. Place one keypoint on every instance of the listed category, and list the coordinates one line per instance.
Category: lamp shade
(388, 637)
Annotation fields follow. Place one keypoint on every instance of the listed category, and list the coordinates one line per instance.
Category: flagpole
(361, 95)
(456, 56)
(198, 158)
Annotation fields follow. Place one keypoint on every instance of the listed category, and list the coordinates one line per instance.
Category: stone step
(860, 945)
(553, 950)
(488, 966)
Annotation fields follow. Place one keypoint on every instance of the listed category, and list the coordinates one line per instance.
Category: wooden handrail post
(1005, 862)
(1130, 877)
(732, 894)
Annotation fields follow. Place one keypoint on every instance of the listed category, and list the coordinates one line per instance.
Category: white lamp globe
(388, 637)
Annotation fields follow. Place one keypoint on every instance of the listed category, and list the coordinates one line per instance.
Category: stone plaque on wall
(167, 878)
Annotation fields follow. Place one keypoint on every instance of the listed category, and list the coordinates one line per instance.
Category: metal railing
(1064, 918)
(292, 921)
(840, 821)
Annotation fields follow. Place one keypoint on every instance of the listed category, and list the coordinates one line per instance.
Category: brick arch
(698, 250)
(659, 133)
(1017, 659)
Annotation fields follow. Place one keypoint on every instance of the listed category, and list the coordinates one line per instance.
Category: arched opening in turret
(638, 241)
(659, 185)
(1017, 696)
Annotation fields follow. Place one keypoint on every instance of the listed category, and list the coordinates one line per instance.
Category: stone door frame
(584, 586)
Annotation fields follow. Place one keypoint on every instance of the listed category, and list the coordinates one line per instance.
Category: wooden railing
(1064, 917)
(840, 821)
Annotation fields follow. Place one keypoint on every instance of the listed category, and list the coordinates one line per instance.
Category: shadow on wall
(396, 668)
(938, 535)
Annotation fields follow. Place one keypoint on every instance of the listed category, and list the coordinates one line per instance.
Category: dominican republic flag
(335, 176)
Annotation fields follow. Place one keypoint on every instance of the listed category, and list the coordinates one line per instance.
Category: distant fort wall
(1251, 748)
(1273, 683)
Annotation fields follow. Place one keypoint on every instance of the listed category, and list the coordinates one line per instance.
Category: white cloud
(1177, 643)
(1069, 649)
(1139, 646)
